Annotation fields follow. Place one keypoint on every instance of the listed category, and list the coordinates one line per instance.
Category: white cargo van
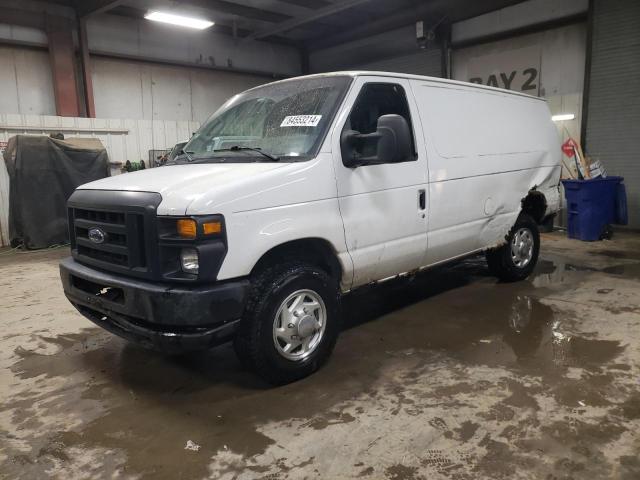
(296, 192)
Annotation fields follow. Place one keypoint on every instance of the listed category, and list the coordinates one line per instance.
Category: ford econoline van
(296, 192)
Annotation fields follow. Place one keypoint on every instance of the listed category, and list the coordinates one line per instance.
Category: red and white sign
(569, 148)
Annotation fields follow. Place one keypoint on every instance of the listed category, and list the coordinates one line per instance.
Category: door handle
(422, 199)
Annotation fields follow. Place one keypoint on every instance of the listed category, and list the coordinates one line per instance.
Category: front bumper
(158, 316)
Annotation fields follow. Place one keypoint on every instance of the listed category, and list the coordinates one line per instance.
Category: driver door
(383, 207)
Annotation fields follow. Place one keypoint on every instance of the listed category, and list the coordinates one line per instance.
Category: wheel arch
(316, 250)
(535, 205)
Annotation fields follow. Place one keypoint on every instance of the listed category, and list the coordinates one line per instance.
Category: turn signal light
(187, 228)
(212, 228)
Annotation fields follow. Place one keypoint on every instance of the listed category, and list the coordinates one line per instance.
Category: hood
(180, 185)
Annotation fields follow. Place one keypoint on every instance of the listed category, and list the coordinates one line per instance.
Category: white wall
(138, 90)
(26, 82)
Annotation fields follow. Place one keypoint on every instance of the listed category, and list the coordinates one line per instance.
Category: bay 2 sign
(517, 70)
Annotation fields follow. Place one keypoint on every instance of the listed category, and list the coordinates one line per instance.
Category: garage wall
(176, 74)
(138, 90)
(142, 39)
(26, 82)
(613, 107)
(519, 16)
(395, 50)
(423, 62)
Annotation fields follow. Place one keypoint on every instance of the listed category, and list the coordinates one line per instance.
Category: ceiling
(309, 24)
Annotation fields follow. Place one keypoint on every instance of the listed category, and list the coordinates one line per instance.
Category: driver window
(375, 100)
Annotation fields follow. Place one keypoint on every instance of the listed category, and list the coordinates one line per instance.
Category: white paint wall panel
(170, 93)
(118, 89)
(422, 62)
(517, 16)
(128, 89)
(28, 35)
(26, 81)
(209, 90)
(348, 55)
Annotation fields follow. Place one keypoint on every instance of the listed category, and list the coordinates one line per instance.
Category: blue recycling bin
(593, 205)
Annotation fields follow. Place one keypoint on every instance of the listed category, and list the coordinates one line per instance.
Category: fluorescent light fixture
(562, 117)
(180, 20)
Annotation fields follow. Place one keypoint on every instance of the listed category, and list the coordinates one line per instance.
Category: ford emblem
(97, 235)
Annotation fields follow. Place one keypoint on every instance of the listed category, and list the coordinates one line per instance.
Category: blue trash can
(592, 205)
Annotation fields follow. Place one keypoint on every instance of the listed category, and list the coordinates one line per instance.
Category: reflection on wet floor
(494, 324)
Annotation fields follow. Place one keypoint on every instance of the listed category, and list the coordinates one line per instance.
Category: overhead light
(180, 20)
(562, 117)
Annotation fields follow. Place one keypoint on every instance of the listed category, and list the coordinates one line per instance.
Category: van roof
(408, 76)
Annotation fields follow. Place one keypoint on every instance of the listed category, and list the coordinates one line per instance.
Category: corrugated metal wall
(613, 107)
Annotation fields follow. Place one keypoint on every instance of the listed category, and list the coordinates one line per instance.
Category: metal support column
(62, 54)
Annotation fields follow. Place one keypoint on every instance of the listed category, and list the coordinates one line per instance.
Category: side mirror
(390, 143)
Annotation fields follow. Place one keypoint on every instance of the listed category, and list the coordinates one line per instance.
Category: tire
(510, 265)
(256, 341)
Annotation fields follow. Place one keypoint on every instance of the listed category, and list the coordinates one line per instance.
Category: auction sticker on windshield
(301, 121)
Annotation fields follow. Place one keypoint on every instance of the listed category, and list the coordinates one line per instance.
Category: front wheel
(291, 322)
(516, 259)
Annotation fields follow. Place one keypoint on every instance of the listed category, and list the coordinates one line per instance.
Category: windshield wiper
(238, 148)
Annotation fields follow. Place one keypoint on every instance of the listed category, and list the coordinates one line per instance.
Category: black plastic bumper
(162, 317)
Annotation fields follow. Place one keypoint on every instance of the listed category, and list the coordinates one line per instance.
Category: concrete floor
(450, 375)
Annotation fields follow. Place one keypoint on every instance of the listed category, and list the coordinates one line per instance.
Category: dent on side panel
(545, 180)
(477, 213)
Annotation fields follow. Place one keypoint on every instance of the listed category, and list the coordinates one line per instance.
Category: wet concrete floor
(450, 375)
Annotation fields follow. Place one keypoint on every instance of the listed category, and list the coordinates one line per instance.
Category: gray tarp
(43, 173)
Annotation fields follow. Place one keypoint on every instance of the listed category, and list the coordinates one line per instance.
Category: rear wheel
(516, 259)
(291, 322)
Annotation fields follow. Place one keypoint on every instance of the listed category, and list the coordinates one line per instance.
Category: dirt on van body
(446, 375)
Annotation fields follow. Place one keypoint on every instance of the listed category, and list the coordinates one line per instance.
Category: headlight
(189, 260)
(188, 228)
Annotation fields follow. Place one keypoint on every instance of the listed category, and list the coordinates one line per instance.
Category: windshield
(286, 121)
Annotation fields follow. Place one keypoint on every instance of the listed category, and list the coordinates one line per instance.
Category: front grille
(123, 239)
(113, 230)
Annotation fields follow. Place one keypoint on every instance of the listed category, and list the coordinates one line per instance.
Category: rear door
(383, 206)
